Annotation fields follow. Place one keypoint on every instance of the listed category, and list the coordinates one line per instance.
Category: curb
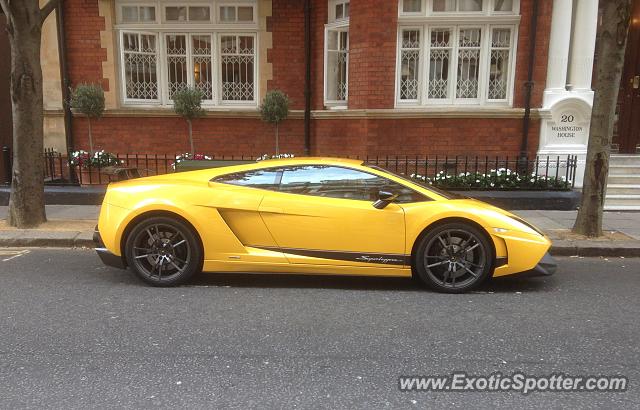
(16, 239)
(53, 239)
(627, 249)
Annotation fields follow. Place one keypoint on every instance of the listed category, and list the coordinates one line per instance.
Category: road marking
(13, 254)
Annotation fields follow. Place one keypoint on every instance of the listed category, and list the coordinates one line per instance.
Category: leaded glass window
(201, 57)
(500, 61)
(140, 66)
(469, 41)
(189, 62)
(440, 62)
(337, 64)
(237, 53)
(409, 64)
(165, 46)
(176, 51)
(456, 52)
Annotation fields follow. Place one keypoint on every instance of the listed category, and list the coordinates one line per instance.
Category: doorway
(628, 135)
(6, 125)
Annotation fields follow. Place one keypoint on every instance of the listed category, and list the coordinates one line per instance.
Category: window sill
(222, 112)
(427, 112)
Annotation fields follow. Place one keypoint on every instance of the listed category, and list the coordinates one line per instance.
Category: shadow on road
(243, 280)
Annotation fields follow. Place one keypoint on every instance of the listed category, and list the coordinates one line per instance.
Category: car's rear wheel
(163, 251)
(454, 258)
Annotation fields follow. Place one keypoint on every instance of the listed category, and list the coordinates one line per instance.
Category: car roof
(311, 160)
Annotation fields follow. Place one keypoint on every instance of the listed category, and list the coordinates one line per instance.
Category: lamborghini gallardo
(319, 216)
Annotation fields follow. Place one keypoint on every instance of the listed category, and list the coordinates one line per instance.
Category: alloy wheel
(455, 258)
(161, 252)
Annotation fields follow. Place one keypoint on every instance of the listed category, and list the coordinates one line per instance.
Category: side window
(343, 183)
(405, 195)
(259, 178)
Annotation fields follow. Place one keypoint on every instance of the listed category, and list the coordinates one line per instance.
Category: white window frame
(123, 82)
(487, 9)
(486, 21)
(401, 12)
(137, 4)
(255, 68)
(332, 10)
(187, 4)
(236, 5)
(160, 29)
(512, 61)
(190, 67)
(338, 28)
(421, 69)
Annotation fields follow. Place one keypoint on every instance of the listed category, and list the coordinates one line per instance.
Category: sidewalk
(72, 226)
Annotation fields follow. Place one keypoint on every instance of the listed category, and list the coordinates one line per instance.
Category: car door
(236, 199)
(324, 215)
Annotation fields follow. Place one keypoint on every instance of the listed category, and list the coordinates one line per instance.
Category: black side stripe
(379, 258)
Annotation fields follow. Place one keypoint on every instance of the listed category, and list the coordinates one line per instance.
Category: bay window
(456, 52)
(188, 44)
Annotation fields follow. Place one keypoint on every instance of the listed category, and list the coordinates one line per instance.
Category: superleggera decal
(379, 258)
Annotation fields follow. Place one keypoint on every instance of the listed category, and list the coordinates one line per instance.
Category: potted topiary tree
(88, 99)
(274, 109)
(187, 103)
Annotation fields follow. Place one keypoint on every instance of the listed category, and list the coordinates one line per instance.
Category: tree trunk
(26, 204)
(193, 150)
(277, 142)
(90, 138)
(612, 36)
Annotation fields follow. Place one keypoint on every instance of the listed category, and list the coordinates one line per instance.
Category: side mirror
(384, 199)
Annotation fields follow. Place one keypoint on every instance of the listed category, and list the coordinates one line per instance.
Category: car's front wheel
(163, 251)
(454, 258)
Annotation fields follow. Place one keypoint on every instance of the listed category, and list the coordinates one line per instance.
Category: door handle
(635, 82)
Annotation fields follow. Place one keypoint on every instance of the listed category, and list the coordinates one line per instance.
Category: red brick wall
(373, 31)
(422, 136)
(541, 54)
(287, 55)
(335, 137)
(84, 53)
(169, 135)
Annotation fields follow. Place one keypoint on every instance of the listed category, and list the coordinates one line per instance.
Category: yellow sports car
(320, 216)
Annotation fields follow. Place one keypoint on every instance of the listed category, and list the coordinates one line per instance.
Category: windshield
(446, 194)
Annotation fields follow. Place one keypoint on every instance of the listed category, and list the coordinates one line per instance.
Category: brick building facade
(388, 77)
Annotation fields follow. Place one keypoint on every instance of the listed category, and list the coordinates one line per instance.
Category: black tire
(163, 251)
(454, 258)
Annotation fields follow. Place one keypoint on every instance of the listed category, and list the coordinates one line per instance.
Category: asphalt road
(76, 334)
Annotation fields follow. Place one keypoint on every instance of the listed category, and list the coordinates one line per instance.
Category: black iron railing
(449, 172)
(484, 172)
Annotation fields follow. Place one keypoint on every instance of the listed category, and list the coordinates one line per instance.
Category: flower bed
(500, 179)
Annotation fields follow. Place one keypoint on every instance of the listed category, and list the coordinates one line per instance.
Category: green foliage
(88, 99)
(275, 106)
(500, 179)
(187, 102)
